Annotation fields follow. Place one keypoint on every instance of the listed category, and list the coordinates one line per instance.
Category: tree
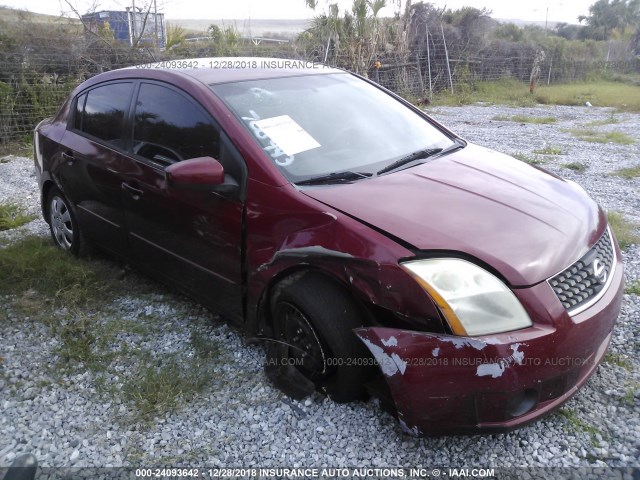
(607, 16)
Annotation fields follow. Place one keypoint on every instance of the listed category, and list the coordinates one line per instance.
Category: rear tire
(63, 225)
(314, 318)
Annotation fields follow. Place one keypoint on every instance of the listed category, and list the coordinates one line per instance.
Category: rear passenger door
(191, 238)
(93, 149)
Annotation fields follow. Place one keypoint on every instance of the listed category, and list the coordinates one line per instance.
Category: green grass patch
(156, 389)
(531, 160)
(575, 166)
(613, 358)
(594, 136)
(624, 230)
(610, 120)
(526, 119)
(629, 397)
(34, 264)
(16, 149)
(578, 423)
(13, 216)
(549, 150)
(633, 289)
(203, 346)
(77, 343)
(506, 91)
(600, 93)
(628, 173)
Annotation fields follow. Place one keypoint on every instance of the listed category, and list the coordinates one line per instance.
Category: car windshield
(335, 126)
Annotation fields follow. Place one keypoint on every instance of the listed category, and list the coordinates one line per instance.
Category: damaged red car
(372, 250)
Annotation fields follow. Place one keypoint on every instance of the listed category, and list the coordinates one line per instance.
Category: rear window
(101, 112)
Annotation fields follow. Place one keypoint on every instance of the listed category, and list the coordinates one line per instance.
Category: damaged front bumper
(445, 384)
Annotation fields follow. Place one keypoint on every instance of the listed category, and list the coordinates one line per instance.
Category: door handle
(68, 157)
(135, 193)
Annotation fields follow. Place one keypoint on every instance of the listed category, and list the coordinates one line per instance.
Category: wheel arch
(264, 318)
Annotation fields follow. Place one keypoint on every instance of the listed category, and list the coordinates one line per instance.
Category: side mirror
(200, 173)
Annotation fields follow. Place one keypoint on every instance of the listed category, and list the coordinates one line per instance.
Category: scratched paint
(390, 342)
(517, 356)
(496, 369)
(389, 364)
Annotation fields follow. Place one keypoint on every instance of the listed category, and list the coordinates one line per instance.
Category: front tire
(314, 318)
(63, 225)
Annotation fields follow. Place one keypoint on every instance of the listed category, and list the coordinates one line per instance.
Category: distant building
(130, 25)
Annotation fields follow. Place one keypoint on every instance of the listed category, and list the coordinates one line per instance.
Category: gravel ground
(79, 417)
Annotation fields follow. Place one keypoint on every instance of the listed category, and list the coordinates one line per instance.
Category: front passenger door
(191, 238)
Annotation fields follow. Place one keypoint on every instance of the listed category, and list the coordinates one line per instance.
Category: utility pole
(134, 19)
(546, 19)
(155, 20)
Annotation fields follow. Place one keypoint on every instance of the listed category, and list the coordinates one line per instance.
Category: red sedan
(371, 249)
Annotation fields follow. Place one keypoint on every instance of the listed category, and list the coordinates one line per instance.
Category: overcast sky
(558, 11)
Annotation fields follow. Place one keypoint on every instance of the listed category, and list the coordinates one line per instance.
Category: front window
(169, 128)
(315, 125)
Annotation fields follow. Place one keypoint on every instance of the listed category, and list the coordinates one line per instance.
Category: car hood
(526, 223)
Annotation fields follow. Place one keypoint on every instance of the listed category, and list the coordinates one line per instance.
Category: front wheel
(63, 224)
(313, 320)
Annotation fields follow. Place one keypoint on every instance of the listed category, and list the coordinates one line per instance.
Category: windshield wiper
(334, 178)
(419, 155)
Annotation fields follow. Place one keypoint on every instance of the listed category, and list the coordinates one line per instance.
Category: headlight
(473, 301)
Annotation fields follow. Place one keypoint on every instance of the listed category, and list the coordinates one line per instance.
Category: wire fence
(39, 68)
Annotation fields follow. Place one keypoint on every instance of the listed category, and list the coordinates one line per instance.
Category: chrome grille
(581, 284)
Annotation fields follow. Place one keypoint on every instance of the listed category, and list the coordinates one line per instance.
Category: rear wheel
(313, 321)
(63, 224)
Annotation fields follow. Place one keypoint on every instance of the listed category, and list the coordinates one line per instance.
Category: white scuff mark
(517, 356)
(389, 364)
(466, 342)
(331, 215)
(401, 364)
(435, 352)
(411, 431)
(390, 342)
(494, 369)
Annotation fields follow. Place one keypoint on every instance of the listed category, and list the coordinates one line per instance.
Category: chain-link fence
(41, 63)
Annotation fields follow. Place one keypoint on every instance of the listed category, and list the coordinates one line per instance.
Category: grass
(549, 150)
(156, 389)
(13, 216)
(610, 120)
(578, 423)
(576, 166)
(526, 119)
(18, 149)
(630, 394)
(594, 136)
(613, 358)
(600, 93)
(34, 264)
(523, 157)
(624, 230)
(628, 173)
(633, 289)
(73, 297)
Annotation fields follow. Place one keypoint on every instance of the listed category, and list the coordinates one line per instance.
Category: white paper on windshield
(287, 134)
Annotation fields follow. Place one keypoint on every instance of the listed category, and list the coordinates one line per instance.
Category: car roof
(216, 70)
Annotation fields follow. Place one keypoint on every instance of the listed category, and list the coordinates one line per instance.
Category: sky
(557, 11)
